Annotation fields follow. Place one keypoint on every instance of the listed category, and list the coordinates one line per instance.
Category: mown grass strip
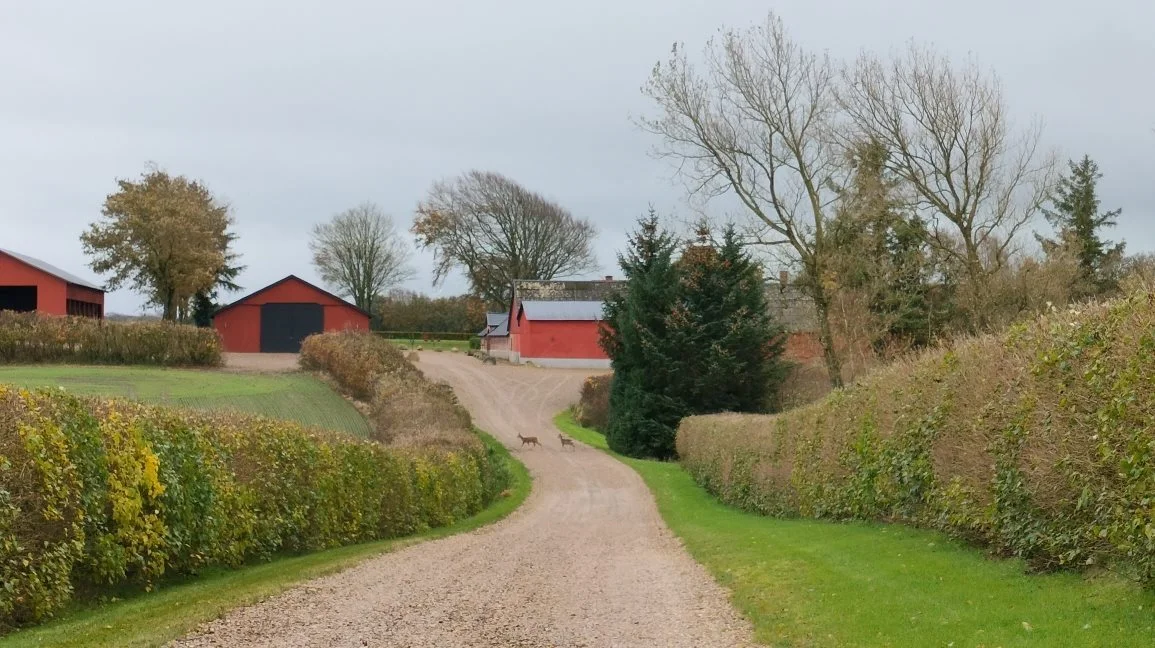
(175, 609)
(810, 583)
(290, 396)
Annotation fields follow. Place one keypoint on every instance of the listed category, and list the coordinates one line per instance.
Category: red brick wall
(802, 347)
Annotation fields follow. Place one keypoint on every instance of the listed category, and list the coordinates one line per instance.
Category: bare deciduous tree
(498, 231)
(757, 121)
(977, 180)
(359, 254)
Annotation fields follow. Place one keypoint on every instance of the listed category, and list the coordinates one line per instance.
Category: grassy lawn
(292, 396)
(811, 583)
(433, 345)
(175, 609)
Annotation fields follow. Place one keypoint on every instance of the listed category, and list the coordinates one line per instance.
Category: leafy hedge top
(28, 338)
(1039, 443)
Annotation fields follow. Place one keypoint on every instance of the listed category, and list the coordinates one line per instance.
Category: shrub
(27, 338)
(106, 493)
(474, 343)
(1039, 443)
(593, 408)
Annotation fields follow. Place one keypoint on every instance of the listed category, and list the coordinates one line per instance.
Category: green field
(173, 610)
(811, 583)
(433, 345)
(292, 396)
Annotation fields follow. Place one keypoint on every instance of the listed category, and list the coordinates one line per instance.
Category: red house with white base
(556, 323)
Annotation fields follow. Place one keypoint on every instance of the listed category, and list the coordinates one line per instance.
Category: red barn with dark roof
(278, 317)
(28, 284)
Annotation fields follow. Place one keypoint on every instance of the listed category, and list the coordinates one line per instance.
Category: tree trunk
(829, 353)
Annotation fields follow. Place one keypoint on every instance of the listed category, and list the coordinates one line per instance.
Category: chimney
(783, 280)
(609, 277)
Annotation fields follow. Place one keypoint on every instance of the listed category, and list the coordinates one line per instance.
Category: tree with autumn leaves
(687, 336)
(165, 236)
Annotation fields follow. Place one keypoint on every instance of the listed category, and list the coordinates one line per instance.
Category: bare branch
(360, 255)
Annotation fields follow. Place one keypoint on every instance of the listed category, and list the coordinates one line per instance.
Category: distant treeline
(404, 310)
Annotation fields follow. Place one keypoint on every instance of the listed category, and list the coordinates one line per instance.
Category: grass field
(292, 396)
(175, 609)
(433, 345)
(810, 583)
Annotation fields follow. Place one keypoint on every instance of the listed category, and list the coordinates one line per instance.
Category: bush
(474, 343)
(593, 408)
(105, 493)
(1038, 443)
(27, 338)
(404, 407)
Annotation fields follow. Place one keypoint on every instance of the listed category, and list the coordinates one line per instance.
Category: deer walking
(531, 440)
(566, 442)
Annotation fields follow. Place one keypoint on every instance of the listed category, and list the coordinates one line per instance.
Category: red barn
(556, 323)
(278, 317)
(28, 284)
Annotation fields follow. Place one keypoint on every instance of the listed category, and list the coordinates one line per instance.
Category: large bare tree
(497, 231)
(360, 255)
(757, 120)
(977, 179)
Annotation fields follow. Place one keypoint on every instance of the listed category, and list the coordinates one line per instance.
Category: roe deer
(566, 442)
(532, 440)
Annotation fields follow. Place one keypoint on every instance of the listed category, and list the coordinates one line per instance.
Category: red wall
(561, 339)
(240, 325)
(51, 292)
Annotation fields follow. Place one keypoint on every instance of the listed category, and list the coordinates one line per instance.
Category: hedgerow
(30, 338)
(593, 407)
(105, 493)
(1039, 443)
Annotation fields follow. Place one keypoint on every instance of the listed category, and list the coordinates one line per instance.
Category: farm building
(556, 323)
(28, 284)
(278, 317)
(495, 335)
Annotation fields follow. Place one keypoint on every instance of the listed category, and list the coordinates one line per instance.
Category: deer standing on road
(566, 442)
(532, 440)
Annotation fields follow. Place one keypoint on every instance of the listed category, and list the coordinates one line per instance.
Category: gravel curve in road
(586, 561)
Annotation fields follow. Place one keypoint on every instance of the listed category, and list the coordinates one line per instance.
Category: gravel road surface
(586, 561)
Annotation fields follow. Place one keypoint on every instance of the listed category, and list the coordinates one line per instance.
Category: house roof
(277, 283)
(52, 270)
(539, 290)
(563, 310)
(496, 325)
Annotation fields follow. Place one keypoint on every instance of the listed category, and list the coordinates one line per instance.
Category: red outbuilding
(557, 323)
(28, 284)
(278, 317)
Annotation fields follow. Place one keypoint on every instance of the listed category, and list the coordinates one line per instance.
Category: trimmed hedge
(1039, 443)
(31, 338)
(103, 493)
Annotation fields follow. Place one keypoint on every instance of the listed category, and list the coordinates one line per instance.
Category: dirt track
(586, 561)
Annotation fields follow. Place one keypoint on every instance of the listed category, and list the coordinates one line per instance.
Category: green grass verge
(173, 610)
(291, 396)
(812, 583)
(433, 345)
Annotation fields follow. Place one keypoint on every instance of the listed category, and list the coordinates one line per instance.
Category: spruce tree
(643, 418)
(1075, 216)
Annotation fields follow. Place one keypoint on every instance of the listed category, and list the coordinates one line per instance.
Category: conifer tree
(643, 419)
(1075, 216)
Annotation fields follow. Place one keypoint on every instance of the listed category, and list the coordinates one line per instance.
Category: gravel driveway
(586, 561)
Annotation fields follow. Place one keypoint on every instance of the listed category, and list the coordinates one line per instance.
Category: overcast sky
(292, 111)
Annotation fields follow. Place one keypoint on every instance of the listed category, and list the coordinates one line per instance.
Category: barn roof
(496, 325)
(277, 283)
(563, 310)
(51, 269)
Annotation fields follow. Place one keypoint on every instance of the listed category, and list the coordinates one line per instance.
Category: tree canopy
(496, 231)
(360, 255)
(165, 236)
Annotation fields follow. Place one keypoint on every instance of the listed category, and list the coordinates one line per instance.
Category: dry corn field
(586, 561)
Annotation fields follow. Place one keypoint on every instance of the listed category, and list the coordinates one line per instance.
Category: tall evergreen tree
(643, 418)
(1075, 216)
(728, 347)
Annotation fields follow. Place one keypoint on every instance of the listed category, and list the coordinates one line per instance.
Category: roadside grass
(812, 583)
(175, 609)
(432, 345)
(292, 396)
